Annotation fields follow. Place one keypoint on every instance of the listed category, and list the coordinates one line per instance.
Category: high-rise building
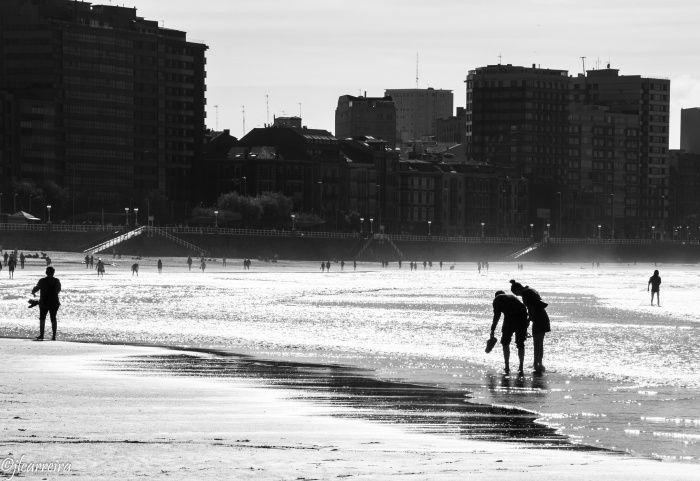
(366, 117)
(648, 98)
(109, 104)
(690, 130)
(418, 109)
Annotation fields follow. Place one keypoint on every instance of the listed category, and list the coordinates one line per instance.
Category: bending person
(539, 318)
(514, 322)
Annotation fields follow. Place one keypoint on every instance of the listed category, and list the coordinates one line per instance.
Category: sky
(299, 56)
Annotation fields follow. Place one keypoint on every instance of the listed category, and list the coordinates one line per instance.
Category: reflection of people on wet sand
(655, 283)
(539, 318)
(48, 288)
(514, 322)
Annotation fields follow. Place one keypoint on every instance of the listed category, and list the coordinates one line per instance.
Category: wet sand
(122, 412)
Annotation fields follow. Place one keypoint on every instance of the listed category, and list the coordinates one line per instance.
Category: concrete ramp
(518, 254)
(141, 230)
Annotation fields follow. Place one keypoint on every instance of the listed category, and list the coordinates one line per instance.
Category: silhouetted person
(514, 322)
(655, 283)
(342, 265)
(354, 265)
(203, 264)
(539, 318)
(11, 264)
(5, 256)
(323, 267)
(135, 269)
(160, 266)
(189, 263)
(92, 262)
(48, 261)
(21, 260)
(478, 266)
(223, 262)
(440, 265)
(49, 288)
(100, 268)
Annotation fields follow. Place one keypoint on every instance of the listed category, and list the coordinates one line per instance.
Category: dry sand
(60, 402)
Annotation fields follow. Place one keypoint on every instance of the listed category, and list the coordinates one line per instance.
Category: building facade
(366, 117)
(690, 130)
(110, 105)
(417, 110)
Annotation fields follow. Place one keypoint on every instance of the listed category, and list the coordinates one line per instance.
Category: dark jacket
(48, 288)
(536, 309)
(514, 312)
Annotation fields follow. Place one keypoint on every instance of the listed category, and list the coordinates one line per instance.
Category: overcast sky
(309, 52)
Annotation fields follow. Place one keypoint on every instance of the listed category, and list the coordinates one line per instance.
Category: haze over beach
(312, 52)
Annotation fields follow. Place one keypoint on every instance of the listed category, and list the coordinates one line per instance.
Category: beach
(61, 404)
(291, 356)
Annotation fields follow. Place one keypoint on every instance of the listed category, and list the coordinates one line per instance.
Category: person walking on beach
(160, 266)
(21, 260)
(135, 269)
(539, 318)
(354, 265)
(189, 263)
(49, 288)
(514, 322)
(655, 283)
(100, 268)
(11, 264)
(203, 264)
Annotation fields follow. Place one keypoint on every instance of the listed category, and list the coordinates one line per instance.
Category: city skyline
(259, 50)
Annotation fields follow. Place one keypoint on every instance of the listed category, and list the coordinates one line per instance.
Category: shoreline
(108, 423)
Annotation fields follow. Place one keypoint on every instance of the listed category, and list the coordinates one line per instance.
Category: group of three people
(517, 316)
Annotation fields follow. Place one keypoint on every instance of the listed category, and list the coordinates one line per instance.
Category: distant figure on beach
(399, 263)
(440, 265)
(223, 261)
(21, 260)
(100, 268)
(514, 322)
(160, 266)
(203, 264)
(5, 256)
(135, 269)
(328, 266)
(48, 288)
(342, 265)
(655, 283)
(478, 266)
(189, 263)
(539, 318)
(354, 265)
(323, 267)
(11, 264)
(48, 261)
(92, 261)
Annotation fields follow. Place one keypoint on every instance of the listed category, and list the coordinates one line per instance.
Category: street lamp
(560, 225)
(48, 208)
(653, 232)
(245, 186)
(531, 227)
(136, 216)
(293, 216)
(429, 222)
(216, 219)
(548, 224)
(126, 211)
(599, 226)
(482, 229)
(612, 216)
(371, 225)
(362, 224)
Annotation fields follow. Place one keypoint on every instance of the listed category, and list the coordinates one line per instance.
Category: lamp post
(126, 212)
(653, 232)
(245, 186)
(362, 225)
(371, 225)
(612, 216)
(483, 224)
(599, 227)
(293, 216)
(216, 219)
(48, 208)
(429, 223)
(548, 224)
(560, 215)
(136, 216)
(531, 231)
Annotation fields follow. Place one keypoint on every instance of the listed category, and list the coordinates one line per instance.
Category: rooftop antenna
(267, 105)
(299, 109)
(243, 112)
(583, 61)
(500, 58)
(417, 59)
(216, 109)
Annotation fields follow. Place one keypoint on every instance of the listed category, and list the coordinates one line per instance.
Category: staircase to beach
(519, 253)
(142, 230)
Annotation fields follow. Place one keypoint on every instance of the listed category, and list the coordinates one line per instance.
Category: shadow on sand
(420, 407)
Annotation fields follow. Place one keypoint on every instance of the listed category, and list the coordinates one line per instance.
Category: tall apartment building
(690, 130)
(418, 109)
(648, 98)
(109, 104)
(366, 117)
(516, 117)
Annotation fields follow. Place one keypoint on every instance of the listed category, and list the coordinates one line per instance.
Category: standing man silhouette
(655, 283)
(49, 288)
